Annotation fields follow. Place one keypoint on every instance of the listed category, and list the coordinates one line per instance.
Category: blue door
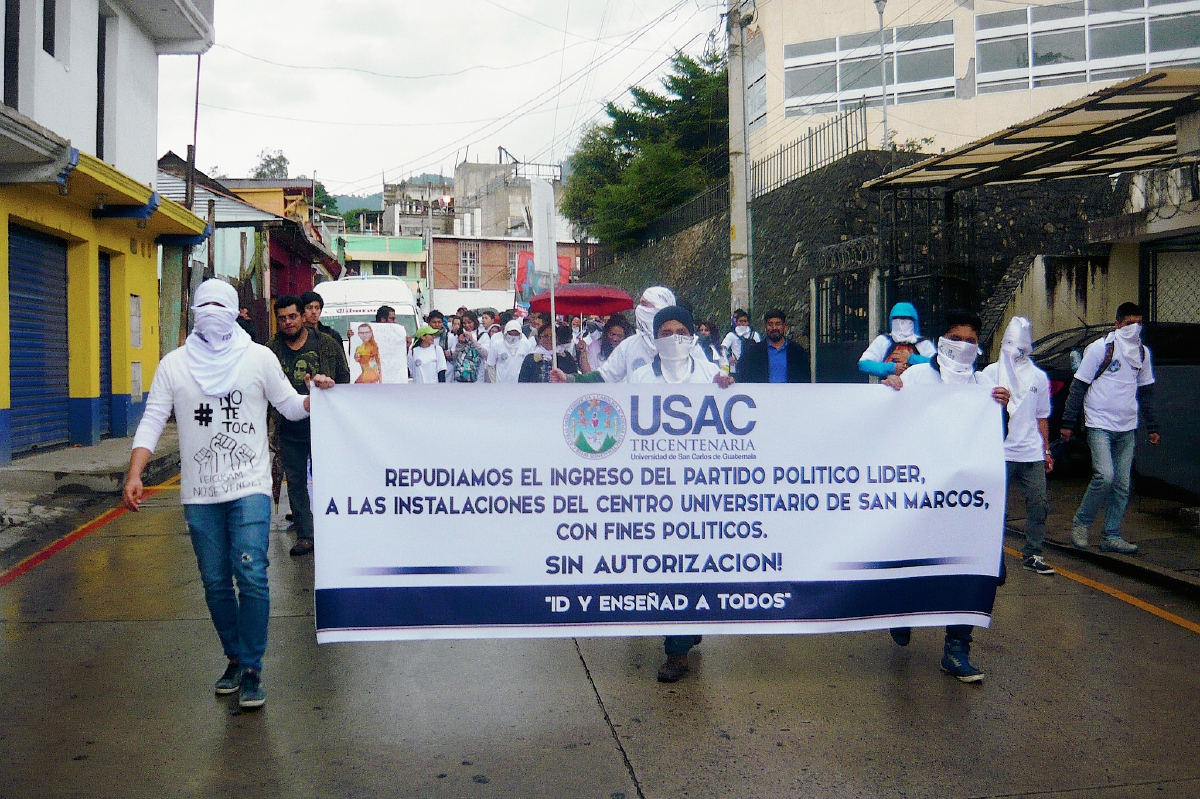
(105, 348)
(39, 360)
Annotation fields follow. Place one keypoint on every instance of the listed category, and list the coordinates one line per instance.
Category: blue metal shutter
(39, 359)
(105, 347)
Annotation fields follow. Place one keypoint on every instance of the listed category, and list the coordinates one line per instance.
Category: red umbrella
(583, 299)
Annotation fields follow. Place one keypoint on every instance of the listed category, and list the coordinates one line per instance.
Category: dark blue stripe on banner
(388, 571)
(482, 606)
(903, 564)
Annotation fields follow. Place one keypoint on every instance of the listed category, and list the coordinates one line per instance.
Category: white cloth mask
(904, 331)
(1017, 371)
(659, 297)
(217, 343)
(674, 354)
(1129, 342)
(742, 330)
(956, 359)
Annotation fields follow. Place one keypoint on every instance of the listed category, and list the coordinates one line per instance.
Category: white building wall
(132, 141)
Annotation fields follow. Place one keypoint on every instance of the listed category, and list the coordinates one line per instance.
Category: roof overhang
(30, 153)
(177, 27)
(1140, 123)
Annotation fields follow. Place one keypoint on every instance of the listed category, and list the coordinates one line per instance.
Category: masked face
(958, 356)
(1131, 333)
(675, 347)
(215, 324)
(742, 329)
(904, 330)
(644, 314)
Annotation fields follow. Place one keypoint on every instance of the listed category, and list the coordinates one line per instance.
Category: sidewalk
(43, 495)
(1170, 549)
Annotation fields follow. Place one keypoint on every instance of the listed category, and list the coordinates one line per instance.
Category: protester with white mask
(1114, 382)
(954, 363)
(218, 385)
(901, 347)
(508, 354)
(676, 361)
(1027, 436)
(738, 339)
(538, 364)
(635, 351)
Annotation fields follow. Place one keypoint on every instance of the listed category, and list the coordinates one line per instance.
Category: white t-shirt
(223, 450)
(732, 344)
(424, 363)
(632, 354)
(506, 363)
(1024, 442)
(880, 346)
(703, 371)
(1111, 403)
(925, 374)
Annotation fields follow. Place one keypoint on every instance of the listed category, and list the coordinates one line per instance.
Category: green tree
(323, 200)
(271, 165)
(351, 218)
(661, 151)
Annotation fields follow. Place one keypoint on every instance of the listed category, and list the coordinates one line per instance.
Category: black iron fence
(712, 202)
(831, 141)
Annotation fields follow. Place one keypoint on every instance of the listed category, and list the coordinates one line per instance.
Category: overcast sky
(319, 105)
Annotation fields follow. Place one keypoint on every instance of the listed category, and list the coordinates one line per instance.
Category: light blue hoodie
(904, 310)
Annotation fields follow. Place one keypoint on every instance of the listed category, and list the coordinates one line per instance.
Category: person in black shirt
(302, 352)
(537, 365)
(776, 360)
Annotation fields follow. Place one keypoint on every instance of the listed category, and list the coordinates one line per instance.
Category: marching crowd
(219, 384)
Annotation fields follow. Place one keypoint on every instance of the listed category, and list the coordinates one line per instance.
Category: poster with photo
(378, 353)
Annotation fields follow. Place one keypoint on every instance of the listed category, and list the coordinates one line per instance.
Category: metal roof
(1125, 127)
(228, 209)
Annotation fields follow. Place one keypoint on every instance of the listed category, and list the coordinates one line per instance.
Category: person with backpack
(1114, 382)
(953, 364)
(738, 339)
(900, 348)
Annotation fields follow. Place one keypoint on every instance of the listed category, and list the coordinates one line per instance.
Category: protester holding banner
(426, 361)
(302, 353)
(1027, 442)
(539, 363)
(954, 364)
(218, 385)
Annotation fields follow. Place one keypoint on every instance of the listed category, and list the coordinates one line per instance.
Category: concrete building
(494, 200)
(80, 222)
(409, 206)
(481, 271)
(955, 71)
(398, 256)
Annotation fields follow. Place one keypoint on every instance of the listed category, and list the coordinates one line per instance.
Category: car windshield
(344, 322)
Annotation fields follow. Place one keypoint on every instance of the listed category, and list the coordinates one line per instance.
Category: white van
(353, 300)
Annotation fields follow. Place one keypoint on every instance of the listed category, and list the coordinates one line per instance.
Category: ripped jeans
(230, 540)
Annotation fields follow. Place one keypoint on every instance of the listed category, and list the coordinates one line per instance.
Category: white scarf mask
(904, 331)
(956, 359)
(511, 342)
(1017, 371)
(1129, 344)
(674, 357)
(217, 343)
(660, 298)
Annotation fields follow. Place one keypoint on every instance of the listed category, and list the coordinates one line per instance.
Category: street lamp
(880, 5)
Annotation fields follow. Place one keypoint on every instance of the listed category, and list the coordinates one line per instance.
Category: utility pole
(741, 238)
(880, 5)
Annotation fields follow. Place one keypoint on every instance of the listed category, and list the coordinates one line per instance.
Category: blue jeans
(1112, 462)
(230, 539)
(1031, 477)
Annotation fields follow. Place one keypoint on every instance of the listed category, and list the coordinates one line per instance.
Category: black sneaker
(252, 694)
(231, 680)
(1035, 563)
(303, 546)
(901, 635)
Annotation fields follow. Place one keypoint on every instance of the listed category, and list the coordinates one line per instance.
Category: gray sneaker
(1079, 536)
(1118, 544)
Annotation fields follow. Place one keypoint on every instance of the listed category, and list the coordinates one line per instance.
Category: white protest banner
(444, 511)
(378, 353)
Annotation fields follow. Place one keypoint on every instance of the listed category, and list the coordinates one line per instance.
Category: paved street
(107, 659)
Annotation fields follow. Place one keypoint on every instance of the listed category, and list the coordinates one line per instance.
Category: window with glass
(468, 264)
(1084, 40)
